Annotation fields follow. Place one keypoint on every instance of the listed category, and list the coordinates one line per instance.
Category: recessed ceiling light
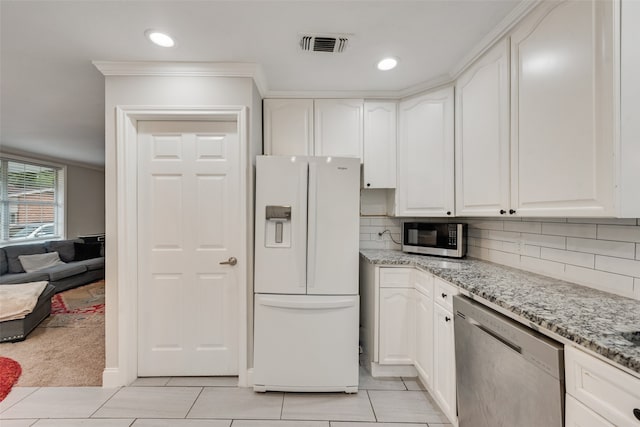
(387, 64)
(161, 39)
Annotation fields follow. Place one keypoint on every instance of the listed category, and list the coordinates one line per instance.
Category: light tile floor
(217, 402)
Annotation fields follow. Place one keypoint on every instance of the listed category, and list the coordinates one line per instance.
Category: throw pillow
(31, 263)
(87, 250)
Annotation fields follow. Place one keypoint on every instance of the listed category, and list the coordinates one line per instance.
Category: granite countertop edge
(588, 317)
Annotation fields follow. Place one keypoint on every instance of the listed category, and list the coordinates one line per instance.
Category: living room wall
(85, 201)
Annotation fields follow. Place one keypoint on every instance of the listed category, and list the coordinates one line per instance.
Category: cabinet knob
(502, 212)
(448, 212)
(444, 295)
(512, 211)
(636, 413)
(447, 318)
(368, 184)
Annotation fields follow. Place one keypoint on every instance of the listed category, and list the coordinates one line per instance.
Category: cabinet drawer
(608, 391)
(400, 277)
(444, 293)
(578, 415)
(423, 283)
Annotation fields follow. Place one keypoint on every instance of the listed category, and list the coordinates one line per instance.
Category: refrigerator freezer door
(281, 225)
(334, 226)
(306, 343)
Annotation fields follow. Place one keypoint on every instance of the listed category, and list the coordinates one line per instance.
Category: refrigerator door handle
(306, 305)
(312, 220)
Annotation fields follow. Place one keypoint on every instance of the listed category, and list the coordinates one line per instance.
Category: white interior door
(188, 210)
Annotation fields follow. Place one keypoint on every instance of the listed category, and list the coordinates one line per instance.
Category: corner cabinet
(482, 136)
(407, 328)
(563, 100)
(425, 155)
(379, 144)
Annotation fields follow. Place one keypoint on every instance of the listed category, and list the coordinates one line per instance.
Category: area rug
(10, 371)
(67, 348)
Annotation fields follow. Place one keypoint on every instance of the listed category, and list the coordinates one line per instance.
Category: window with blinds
(31, 198)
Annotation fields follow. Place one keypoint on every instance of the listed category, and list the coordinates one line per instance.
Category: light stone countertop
(599, 321)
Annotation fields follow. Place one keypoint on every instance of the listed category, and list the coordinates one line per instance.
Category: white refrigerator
(306, 274)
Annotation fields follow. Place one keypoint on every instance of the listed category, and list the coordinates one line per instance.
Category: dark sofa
(73, 273)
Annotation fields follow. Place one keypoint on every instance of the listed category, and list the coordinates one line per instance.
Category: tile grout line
(194, 402)
(105, 402)
(371, 405)
(18, 401)
(282, 405)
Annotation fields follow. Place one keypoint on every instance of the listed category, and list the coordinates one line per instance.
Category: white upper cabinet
(380, 144)
(563, 110)
(338, 127)
(482, 136)
(425, 155)
(288, 127)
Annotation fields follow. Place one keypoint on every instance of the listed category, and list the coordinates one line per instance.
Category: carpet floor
(67, 348)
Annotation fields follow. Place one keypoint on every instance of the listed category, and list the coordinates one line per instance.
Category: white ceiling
(52, 97)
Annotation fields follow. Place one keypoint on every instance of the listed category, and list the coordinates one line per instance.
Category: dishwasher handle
(494, 334)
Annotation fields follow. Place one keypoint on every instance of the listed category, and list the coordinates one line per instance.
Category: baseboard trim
(378, 370)
(111, 378)
(249, 378)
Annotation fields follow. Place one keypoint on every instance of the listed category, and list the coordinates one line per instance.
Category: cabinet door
(424, 338)
(380, 144)
(562, 77)
(482, 136)
(397, 326)
(425, 155)
(444, 366)
(338, 127)
(288, 127)
(578, 415)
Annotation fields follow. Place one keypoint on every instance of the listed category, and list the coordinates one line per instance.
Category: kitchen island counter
(604, 323)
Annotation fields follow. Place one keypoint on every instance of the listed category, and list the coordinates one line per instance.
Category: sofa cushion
(4, 267)
(36, 276)
(31, 263)
(87, 250)
(14, 251)
(65, 249)
(91, 264)
(63, 271)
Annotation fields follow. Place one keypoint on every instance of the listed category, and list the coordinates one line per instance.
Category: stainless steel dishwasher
(508, 375)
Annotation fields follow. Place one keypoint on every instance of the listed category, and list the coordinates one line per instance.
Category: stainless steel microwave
(430, 238)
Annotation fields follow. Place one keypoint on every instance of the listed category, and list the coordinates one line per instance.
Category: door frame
(125, 290)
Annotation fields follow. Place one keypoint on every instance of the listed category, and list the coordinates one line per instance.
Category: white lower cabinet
(444, 361)
(397, 330)
(424, 338)
(578, 415)
(607, 391)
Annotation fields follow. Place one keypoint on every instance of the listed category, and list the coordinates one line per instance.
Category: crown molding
(329, 94)
(497, 33)
(185, 69)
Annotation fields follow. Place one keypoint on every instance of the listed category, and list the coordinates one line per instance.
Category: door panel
(281, 268)
(188, 205)
(333, 229)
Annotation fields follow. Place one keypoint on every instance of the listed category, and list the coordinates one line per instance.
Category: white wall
(151, 91)
(599, 253)
(84, 201)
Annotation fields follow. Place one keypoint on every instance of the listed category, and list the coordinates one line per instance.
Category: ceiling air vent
(323, 43)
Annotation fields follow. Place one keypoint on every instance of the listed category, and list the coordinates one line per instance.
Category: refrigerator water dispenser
(278, 227)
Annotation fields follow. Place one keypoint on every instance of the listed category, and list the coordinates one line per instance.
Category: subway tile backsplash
(599, 253)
